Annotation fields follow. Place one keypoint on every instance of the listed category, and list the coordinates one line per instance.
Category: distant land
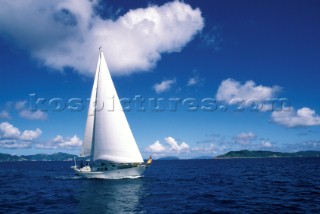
(267, 154)
(169, 158)
(202, 157)
(176, 158)
(60, 156)
(38, 157)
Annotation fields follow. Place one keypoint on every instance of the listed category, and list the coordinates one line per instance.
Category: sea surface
(275, 185)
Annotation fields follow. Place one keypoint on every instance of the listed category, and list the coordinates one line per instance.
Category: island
(267, 154)
(168, 158)
(60, 156)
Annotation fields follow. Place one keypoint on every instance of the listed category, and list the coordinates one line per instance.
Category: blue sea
(275, 185)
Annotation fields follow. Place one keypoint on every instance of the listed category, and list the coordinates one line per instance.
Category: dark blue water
(287, 185)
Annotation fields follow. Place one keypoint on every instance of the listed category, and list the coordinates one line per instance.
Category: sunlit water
(288, 185)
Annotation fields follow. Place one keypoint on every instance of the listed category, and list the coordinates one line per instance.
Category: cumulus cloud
(156, 147)
(68, 33)
(11, 137)
(30, 134)
(163, 86)
(172, 147)
(61, 142)
(302, 117)
(4, 115)
(68, 142)
(7, 130)
(244, 138)
(230, 89)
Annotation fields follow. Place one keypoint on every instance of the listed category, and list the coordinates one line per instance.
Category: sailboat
(108, 139)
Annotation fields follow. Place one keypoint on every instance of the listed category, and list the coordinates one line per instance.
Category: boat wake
(114, 178)
(105, 178)
(69, 177)
(132, 177)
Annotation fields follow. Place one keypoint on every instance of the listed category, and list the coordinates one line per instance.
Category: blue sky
(227, 51)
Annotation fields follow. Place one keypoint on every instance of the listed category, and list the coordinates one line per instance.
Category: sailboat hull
(134, 172)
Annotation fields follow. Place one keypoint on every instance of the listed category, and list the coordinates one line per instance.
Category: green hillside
(267, 154)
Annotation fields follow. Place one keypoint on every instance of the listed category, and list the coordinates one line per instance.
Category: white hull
(133, 172)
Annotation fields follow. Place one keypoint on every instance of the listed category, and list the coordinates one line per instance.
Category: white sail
(88, 133)
(112, 137)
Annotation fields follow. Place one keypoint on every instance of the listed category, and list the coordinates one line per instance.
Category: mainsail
(108, 136)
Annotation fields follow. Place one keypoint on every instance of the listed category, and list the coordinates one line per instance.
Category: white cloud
(266, 144)
(30, 134)
(302, 117)
(164, 86)
(4, 115)
(61, 142)
(244, 138)
(156, 147)
(172, 148)
(230, 89)
(68, 142)
(11, 137)
(33, 115)
(8, 131)
(67, 33)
